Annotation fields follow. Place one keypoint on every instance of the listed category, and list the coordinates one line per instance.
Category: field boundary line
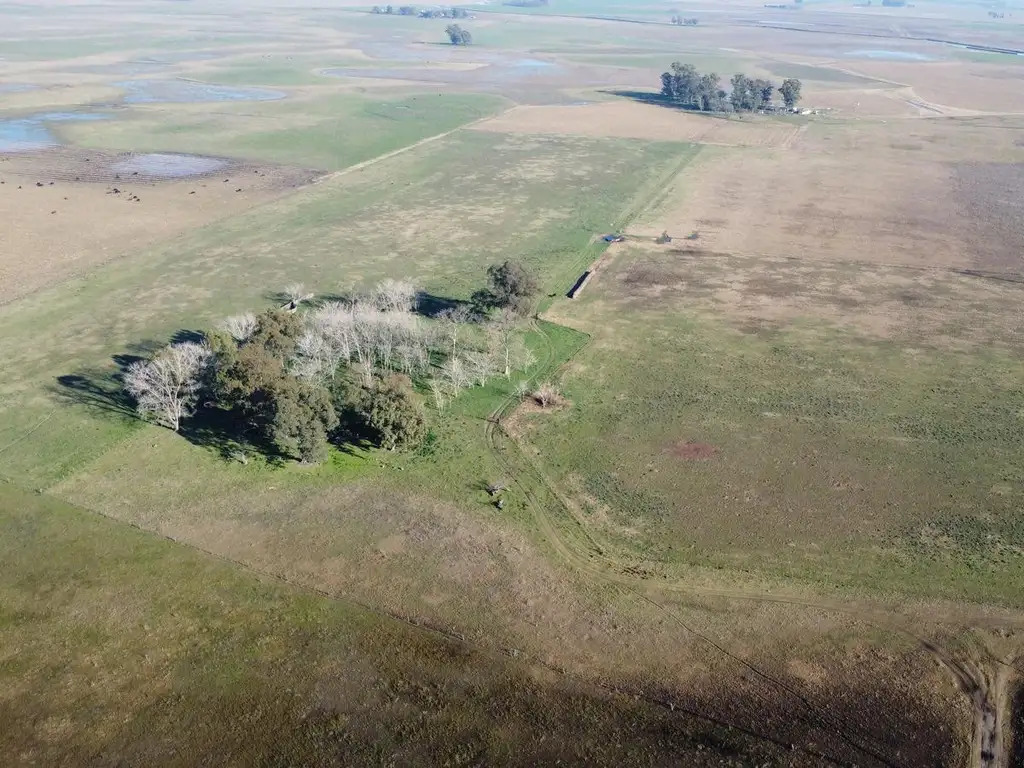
(407, 148)
(40, 423)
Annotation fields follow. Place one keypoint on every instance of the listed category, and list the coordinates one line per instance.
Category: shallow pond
(889, 55)
(162, 165)
(497, 73)
(24, 134)
(188, 91)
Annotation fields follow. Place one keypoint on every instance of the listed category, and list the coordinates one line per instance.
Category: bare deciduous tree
(546, 395)
(507, 344)
(452, 320)
(479, 366)
(395, 296)
(239, 327)
(295, 294)
(167, 387)
(440, 392)
(455, 375)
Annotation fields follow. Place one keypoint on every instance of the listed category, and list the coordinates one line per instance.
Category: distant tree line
(679, 21)
(526, 3)
(289, 380)
(427, 13)
(686, 87)
(458, 35)
(402, 10)
(444, 13)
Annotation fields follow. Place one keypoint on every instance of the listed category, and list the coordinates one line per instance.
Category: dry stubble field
(733, 405)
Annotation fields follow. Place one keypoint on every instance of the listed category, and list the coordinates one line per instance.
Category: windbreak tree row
(684, 86)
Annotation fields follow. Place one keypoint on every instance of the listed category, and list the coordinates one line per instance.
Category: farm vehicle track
(576, 544)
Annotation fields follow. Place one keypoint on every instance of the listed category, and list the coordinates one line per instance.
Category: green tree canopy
(394, 412)
(509, 285)
(457, 35)
(790, 92)
(253, 380)
(688, 88)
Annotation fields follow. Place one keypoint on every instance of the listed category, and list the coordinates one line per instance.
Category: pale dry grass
(623, 119)
(918, 306)
(66, 227)
(958, 85)
(451, 566)
(873, 192)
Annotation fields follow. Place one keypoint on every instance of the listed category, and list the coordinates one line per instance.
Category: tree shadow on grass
(101, 389)
(656, 99)
(430, 305)
(227, 433)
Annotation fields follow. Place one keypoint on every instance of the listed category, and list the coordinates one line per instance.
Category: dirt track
(589, 556)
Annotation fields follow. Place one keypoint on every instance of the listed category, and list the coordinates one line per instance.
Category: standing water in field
(188, 92)
(162, 165)
(889, 55)
(24, 134)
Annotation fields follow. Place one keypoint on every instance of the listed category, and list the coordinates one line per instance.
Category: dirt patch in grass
(847, 196)
(993, 196)
(625, 119)
(960, 85)
(945, 308)
(147, 648)
(67, 211)
(693, 451)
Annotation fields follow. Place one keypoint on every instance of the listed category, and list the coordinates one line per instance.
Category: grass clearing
(328, 132)
(141, 650)
(781, 498)
(441, 226)
(787, 444)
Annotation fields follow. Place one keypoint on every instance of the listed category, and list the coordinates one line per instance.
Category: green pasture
(121, 644)
(327, 132)
(801, 450)
(438, 215)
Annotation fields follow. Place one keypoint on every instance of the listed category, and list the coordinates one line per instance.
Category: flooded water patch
(884, 55)
(503, 73)
(24, 134)
(189, 91)
(160, 165)
(533, 63)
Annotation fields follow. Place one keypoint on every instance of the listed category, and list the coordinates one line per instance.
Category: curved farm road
(982, 680)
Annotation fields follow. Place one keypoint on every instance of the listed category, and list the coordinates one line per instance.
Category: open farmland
(772, 515)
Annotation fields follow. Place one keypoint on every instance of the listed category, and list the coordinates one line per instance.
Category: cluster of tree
(894, 3)
(444, 13)
(679, 21)
(457, 35)
(996, 15)
(283, 378)
(750, 95)
(685, 86)
(402, 10)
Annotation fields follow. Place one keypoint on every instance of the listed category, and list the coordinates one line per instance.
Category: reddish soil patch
(693, 451)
